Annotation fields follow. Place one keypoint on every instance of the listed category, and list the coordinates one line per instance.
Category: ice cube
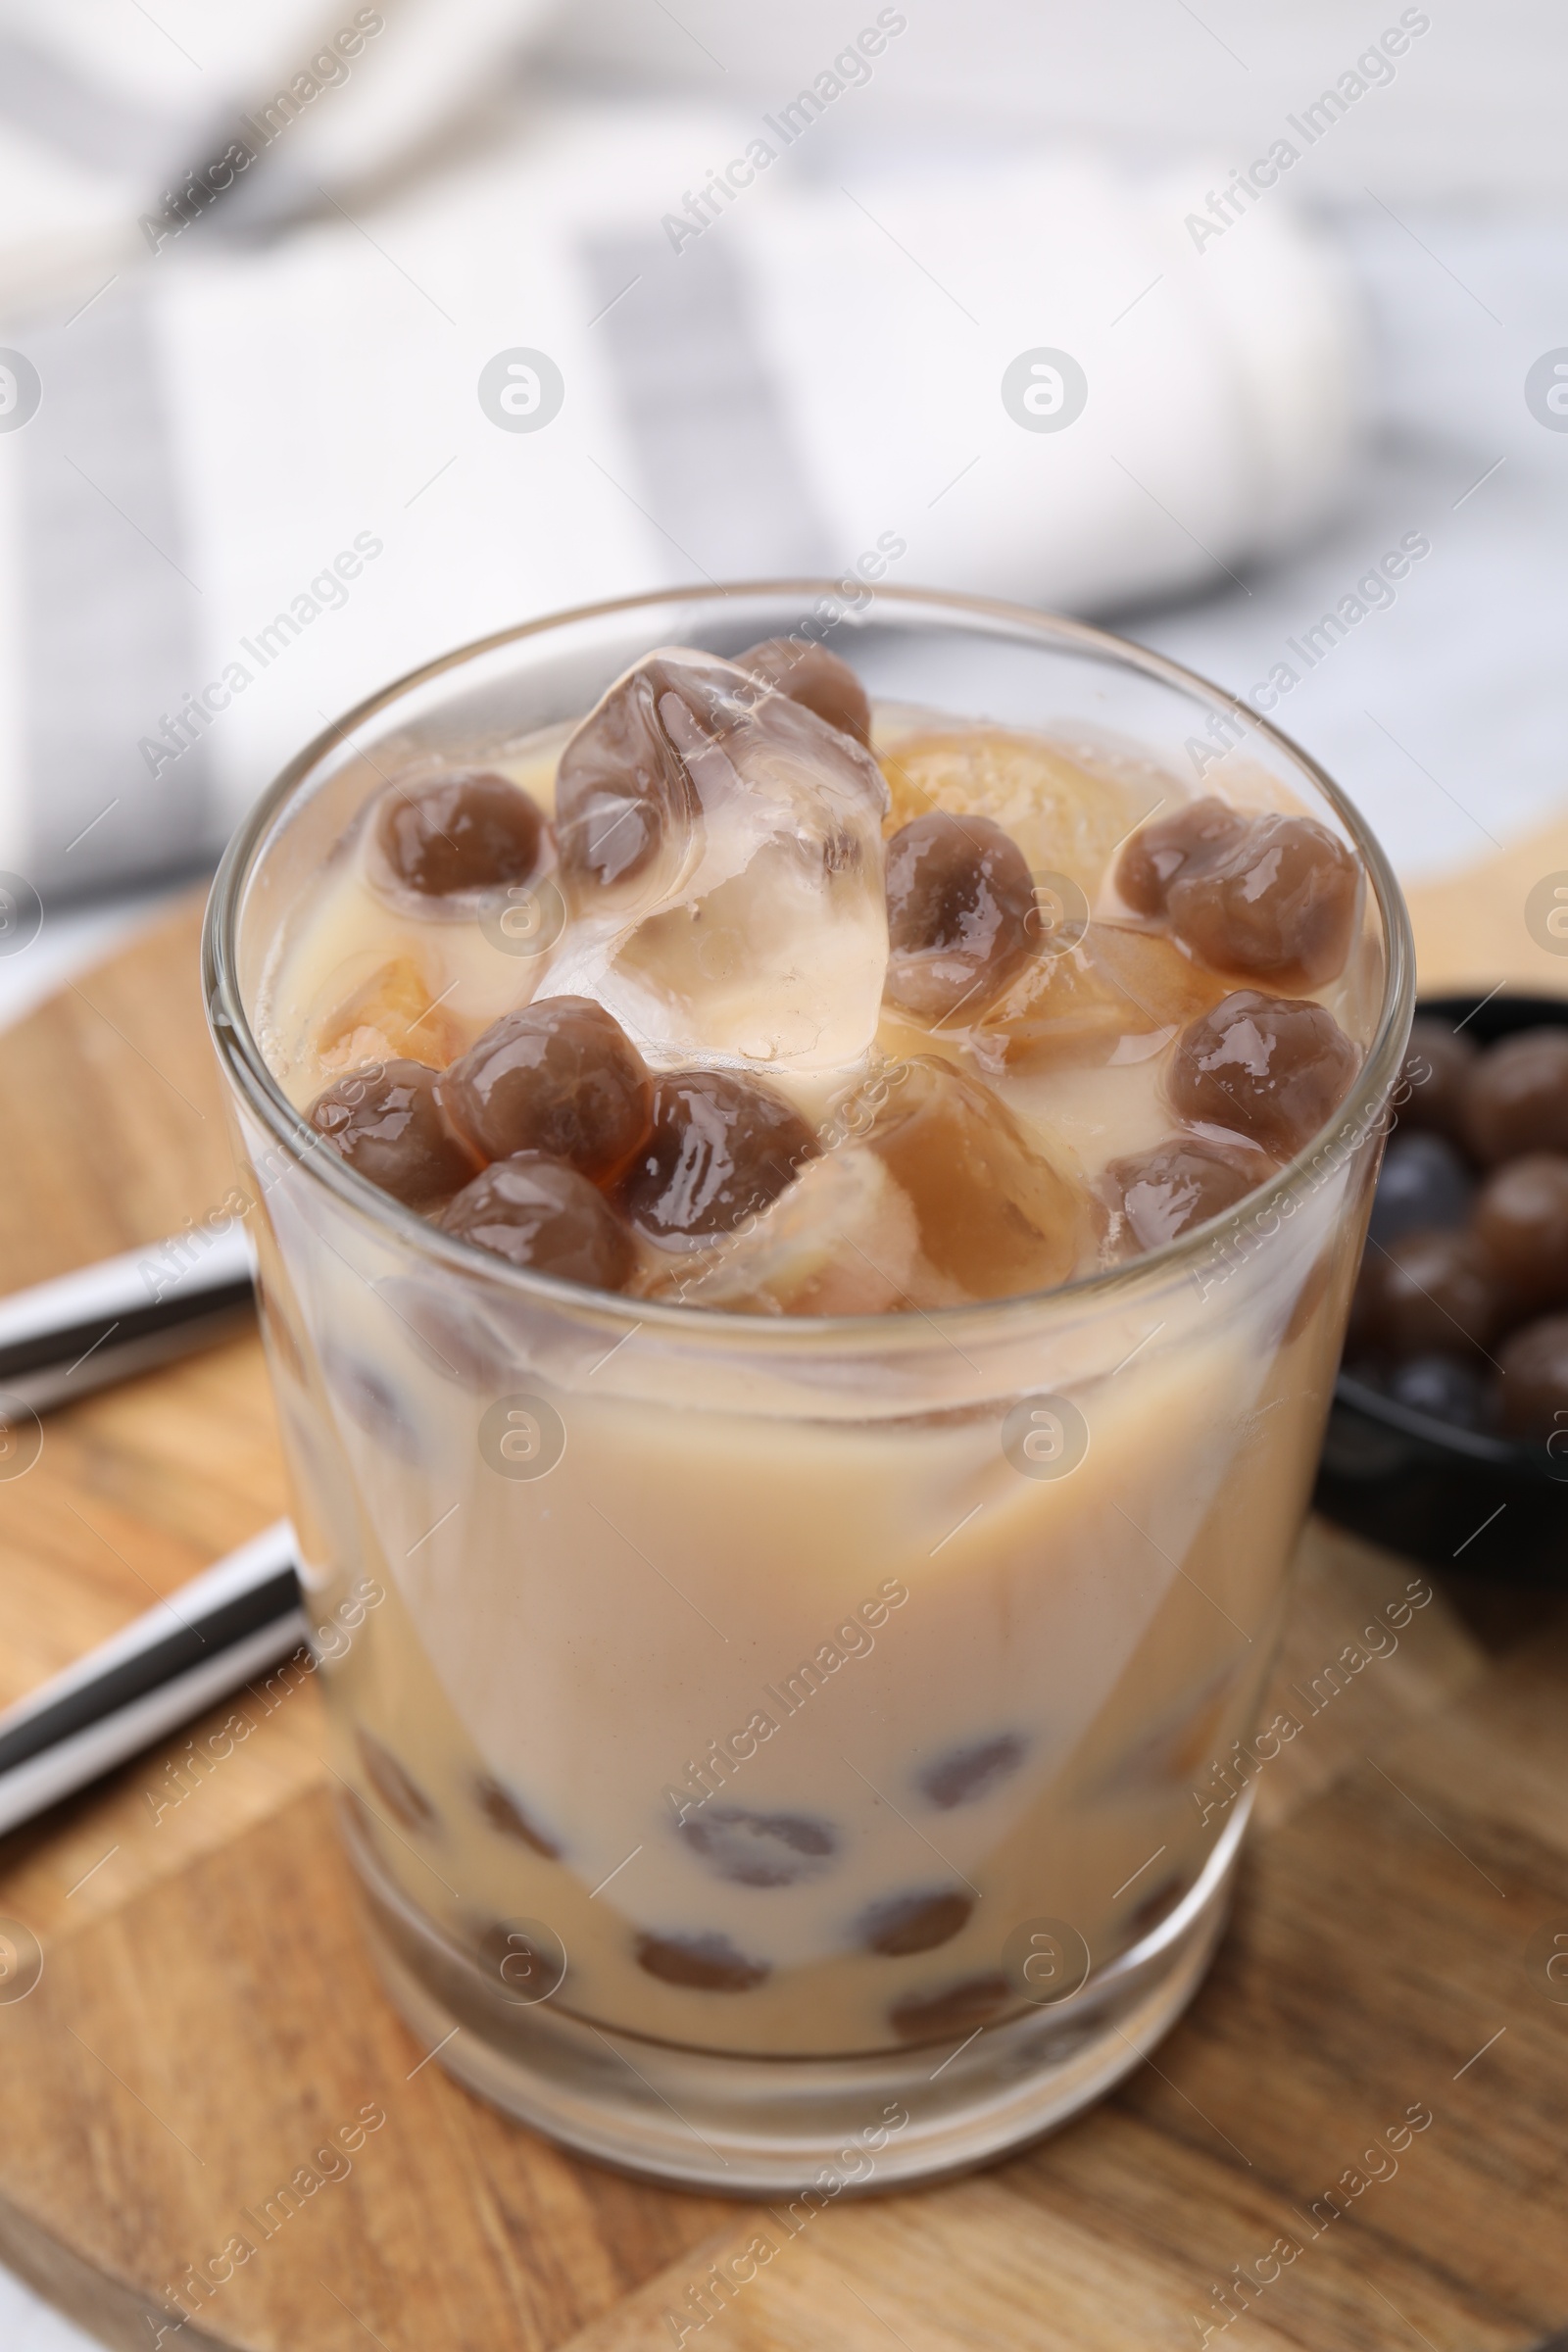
(1120, 994)
(375, 1008)
(994, 1215)
(722, 850)
(842, 1241)
(940, 1200)
(1066, 809)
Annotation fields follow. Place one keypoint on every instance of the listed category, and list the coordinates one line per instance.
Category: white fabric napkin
(262, 482)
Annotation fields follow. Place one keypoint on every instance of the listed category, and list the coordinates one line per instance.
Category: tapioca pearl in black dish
(965, 1775)
(395, 1786)
(760, 1849)
(1521, 1227)
(918, 1922)
(1424, 1186)
(700, 1963)
(1430, 1092)
(1533, 1385)
(956, 2010)
(1445, 1387)
(1516, 1096)
(503, 1812)
(1429, 1295)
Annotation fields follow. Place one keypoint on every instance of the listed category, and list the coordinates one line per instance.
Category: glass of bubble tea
(809, 1150)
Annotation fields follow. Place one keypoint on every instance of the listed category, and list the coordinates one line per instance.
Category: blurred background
(331, 336)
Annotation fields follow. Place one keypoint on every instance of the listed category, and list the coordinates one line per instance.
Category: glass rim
(240, 1057)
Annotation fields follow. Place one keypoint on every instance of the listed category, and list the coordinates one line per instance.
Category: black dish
(1455, 1499)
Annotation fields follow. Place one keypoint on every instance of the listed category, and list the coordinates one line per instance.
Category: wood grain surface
(207, 2015)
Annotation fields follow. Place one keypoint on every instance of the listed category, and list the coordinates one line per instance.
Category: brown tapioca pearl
(561, 1076)
(621, 784)
(1533, 1390)
(720, 1148)
(1423, 1186)
(961, 904)
(503, 1812)
(523, 1968)
(539, 1213)
(964, 1775)
(817, 679)
(369, 1400)
(702, 1963)
(1162, 1193)
(395, 1786)
(1270, 1067)
(386, 1121)
(1429, 1295)
(760, 1849)
(470, 830)
(1188, 841)
(447, 1331)
(1521, 1228)
(1516, 1096)
(1446, 1387)
(902, 1923)
(1278, 904)
(958, 2009)
(1434, 1078)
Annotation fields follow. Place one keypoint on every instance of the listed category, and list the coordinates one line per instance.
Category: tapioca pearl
(503, 1812)
(964, 1775)
(1521, 1228)
(1424, 1187)
(1164, 1192)
(1430, 1294)
(956, 2010)
(1533, 1390)
(1187, 841)
(722, 1148)
(760, 1849)
(1278, 904)
(468, 830)
(538, 1213)
(1271, 1068)
(370, 1402)
(522, 1962)
(447, 1331)
(960, 905)
(1516, 1096)
(700, 1963)
(1436, 1073)
(395, 1786)
(817, 679)
(559, 1076)
(901, 1923)
(1445, 1387)
(386, 1120)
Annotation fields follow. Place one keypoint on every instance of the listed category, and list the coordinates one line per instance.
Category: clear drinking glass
(975, 1603)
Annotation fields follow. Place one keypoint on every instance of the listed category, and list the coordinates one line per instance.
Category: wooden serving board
(207, 2020)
